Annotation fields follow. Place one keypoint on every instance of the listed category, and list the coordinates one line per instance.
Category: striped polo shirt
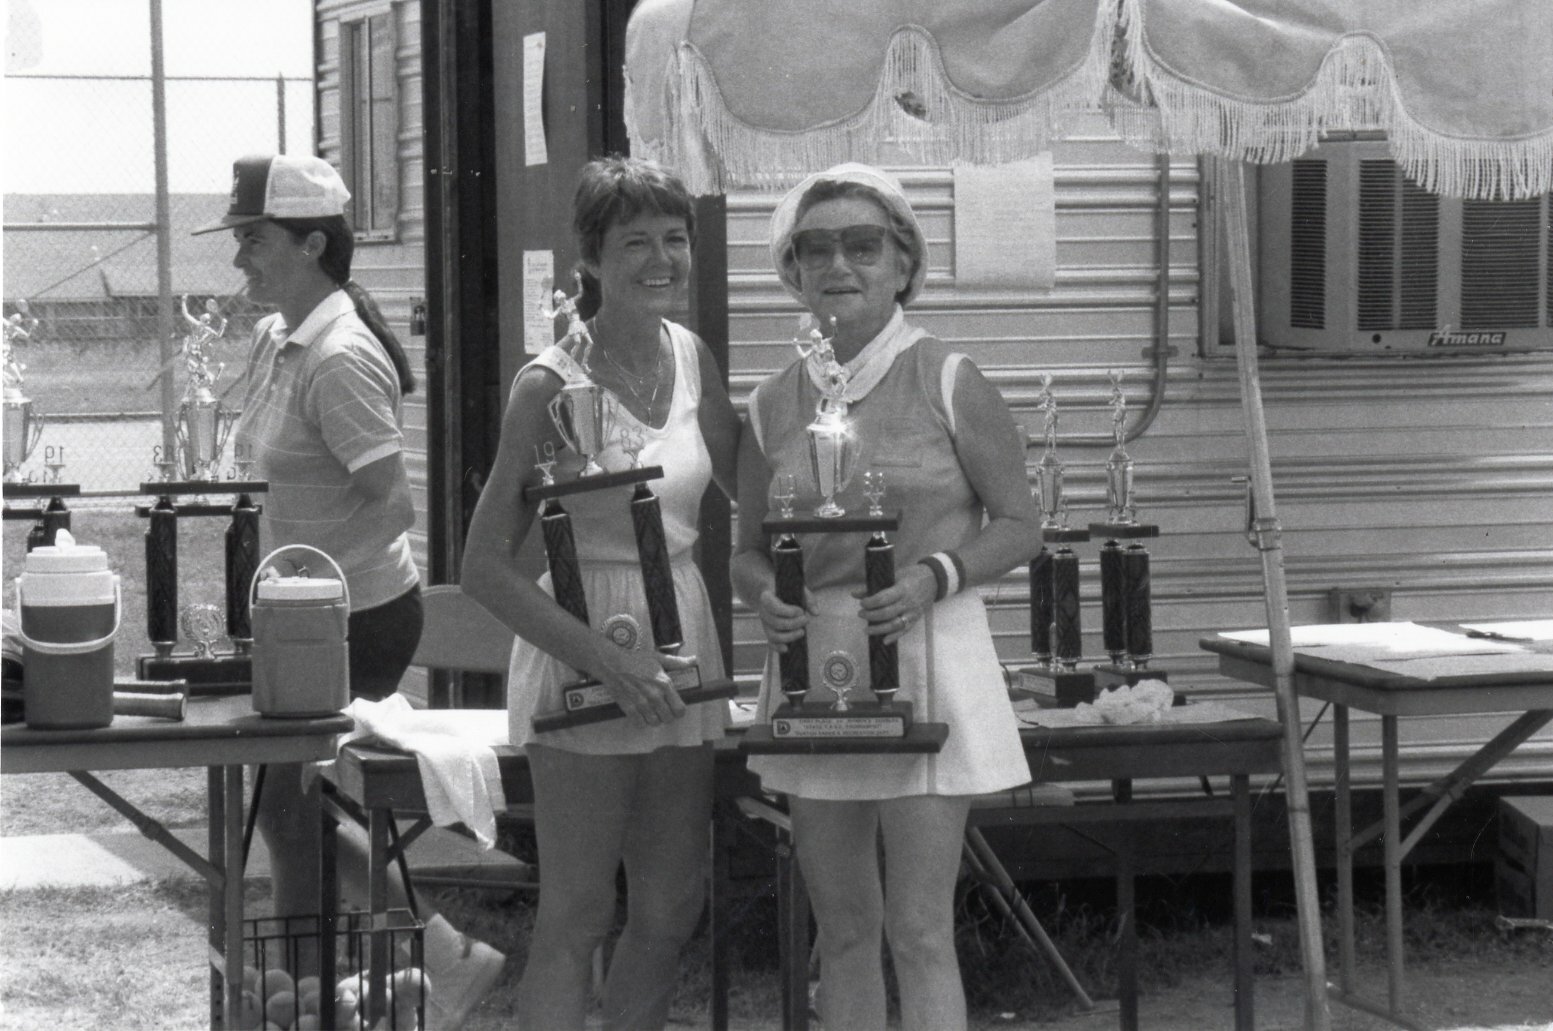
(323, 401)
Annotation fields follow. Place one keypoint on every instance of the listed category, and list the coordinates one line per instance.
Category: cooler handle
(74, 647)
(253, 584)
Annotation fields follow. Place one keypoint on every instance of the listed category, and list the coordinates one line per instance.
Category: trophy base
(205, 675)
(591, 702)
(778, 737)
(1123, 531)
(1107, 675)
(1055, 689)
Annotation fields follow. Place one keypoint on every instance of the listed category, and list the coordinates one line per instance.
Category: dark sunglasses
(861, 244)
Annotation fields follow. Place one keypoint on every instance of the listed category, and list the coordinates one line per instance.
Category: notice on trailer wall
(538, 281)
(1005, 226)
(534, 152)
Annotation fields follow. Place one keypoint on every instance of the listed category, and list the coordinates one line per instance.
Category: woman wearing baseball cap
(322, 423)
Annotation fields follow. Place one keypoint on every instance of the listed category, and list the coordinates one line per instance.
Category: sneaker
(461, 971)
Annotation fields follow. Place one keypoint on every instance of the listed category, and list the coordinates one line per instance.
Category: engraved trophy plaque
(192, 470)
(1056, 637)
(23, 430)
(837, 723)
(1125, 605)
(585, 417)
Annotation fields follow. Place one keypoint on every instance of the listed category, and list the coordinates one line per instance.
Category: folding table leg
(1343, 838)
(232, 889)
(1240, 792)
(1126, 912)
(792, 939)
(1000, 888)
(718, 903)
(215, 807)
(1393, 850)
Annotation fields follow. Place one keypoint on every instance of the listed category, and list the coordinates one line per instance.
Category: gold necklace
(626, 376)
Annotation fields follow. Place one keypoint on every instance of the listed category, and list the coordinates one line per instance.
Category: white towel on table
(454, 749)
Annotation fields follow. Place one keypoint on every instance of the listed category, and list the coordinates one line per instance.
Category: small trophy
(838, 723)
(585, 416)
(23, 428)
(1124, 572)
(204, 423)
(192, 467)
(1056, 637)
(23, 424)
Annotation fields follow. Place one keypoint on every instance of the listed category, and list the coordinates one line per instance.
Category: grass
(132, 957)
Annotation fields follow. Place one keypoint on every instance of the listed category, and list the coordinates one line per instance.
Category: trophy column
(1056, 629)
(1124, 571)
(587, 700)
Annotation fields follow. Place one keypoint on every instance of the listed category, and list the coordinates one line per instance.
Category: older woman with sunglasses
(847, 244)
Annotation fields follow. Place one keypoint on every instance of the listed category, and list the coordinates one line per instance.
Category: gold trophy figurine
(204, 423)
(23, 425)
(833, 445)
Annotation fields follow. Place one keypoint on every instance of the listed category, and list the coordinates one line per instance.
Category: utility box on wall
(1523, 868)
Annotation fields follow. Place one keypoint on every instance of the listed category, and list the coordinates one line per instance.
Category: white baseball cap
(281, 186)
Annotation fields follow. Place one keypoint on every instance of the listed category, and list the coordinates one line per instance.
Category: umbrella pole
(1266, 536)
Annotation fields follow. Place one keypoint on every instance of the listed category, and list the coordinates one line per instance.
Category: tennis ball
(306, 985)
(308, 1022)
(251, 979)
(276, 980)
(281, 1007)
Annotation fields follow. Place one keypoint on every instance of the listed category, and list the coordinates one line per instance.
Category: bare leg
(288, 824)
(582, 806)
(666, 846)
(923, 837)
(838, 850)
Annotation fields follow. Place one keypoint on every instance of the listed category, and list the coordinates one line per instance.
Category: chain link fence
(81, 257)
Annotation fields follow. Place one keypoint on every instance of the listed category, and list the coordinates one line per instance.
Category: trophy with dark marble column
(1056, 632)
(23, 430)
(192, 471)
(1125, 604)
(836, 723)
(586, 418)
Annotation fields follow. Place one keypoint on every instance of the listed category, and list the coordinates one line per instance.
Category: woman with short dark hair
(637, 791)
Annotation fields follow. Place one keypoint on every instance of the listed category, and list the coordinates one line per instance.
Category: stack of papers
(1424, 652)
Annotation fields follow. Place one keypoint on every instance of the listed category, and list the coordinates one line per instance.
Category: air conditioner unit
(1356, 258)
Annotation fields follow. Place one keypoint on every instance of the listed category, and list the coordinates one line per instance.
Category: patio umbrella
(739, 93)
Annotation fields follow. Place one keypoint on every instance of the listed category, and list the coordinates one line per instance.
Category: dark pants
(382, 643)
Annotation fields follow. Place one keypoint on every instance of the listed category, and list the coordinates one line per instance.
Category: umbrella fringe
(917, 114)
(1355, 88)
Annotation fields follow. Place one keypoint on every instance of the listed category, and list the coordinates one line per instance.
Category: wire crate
(283, 986)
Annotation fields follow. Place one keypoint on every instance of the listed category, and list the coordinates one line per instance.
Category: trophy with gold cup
(584, 414)
(23, 430)
(192, 470)
(23, 424)
(836, 722)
